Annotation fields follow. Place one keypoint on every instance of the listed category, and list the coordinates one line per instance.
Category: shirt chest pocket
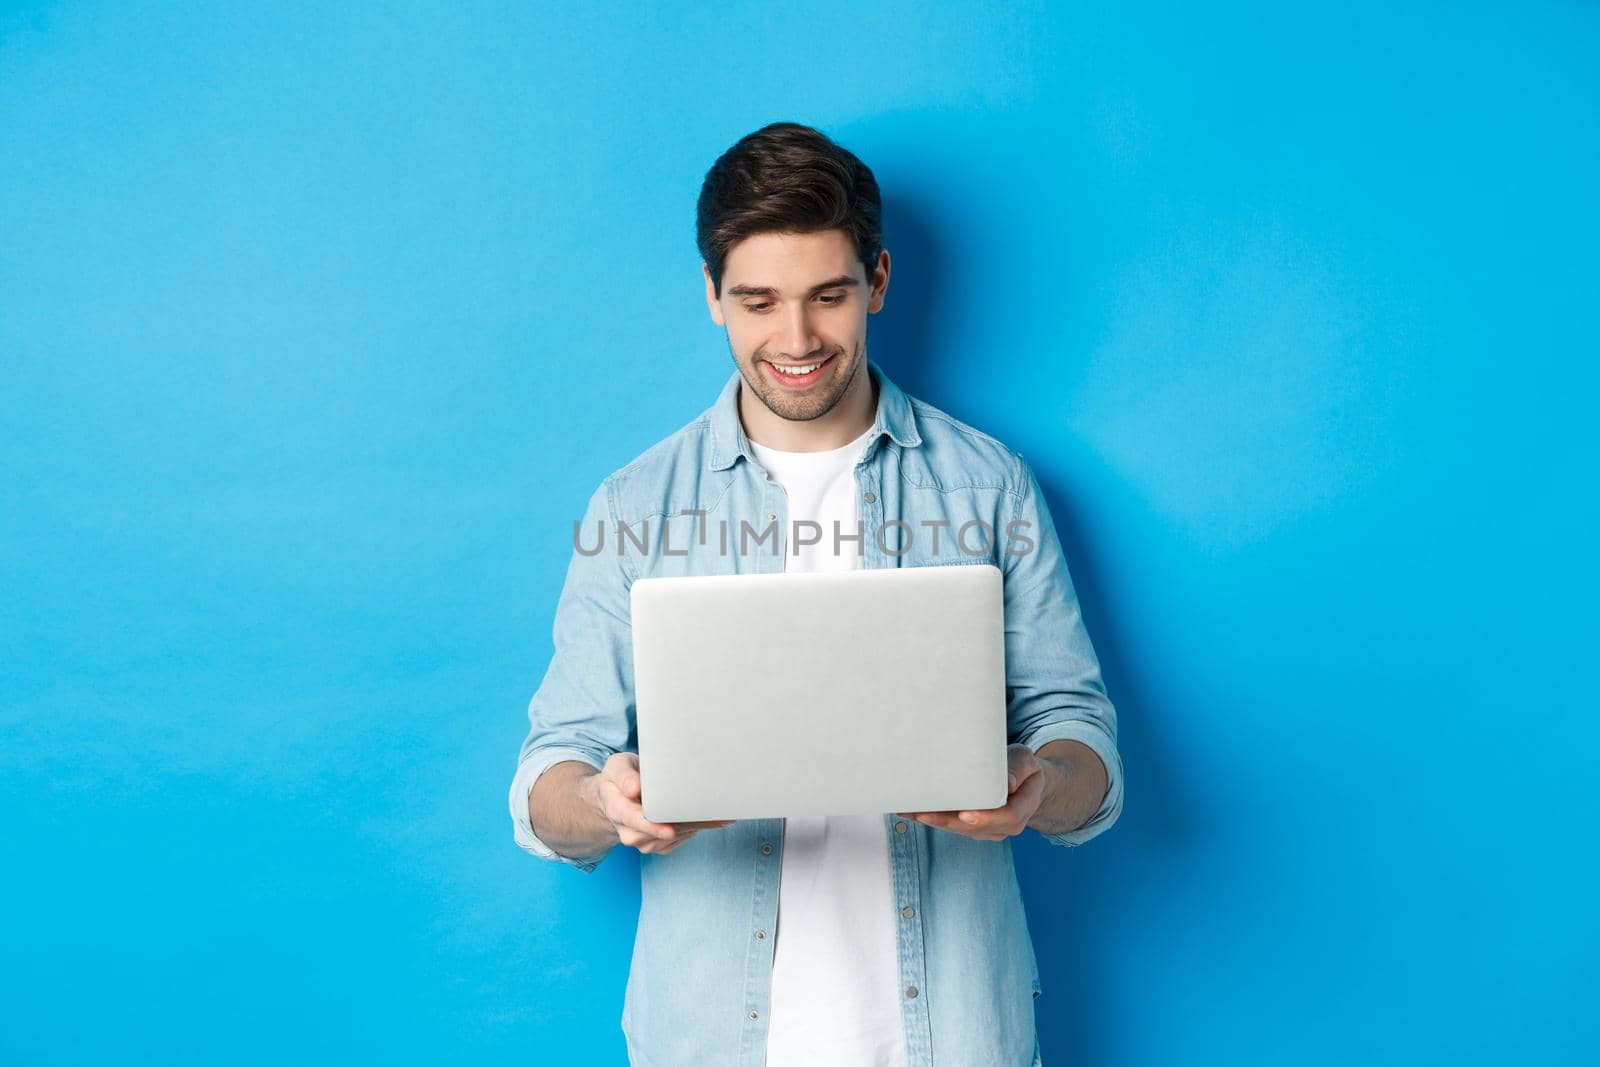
(944, 525)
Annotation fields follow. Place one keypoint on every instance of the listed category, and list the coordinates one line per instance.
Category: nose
(798, 340)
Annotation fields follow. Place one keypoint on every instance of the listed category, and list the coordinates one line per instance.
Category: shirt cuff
(522, 787)
(1103, 746)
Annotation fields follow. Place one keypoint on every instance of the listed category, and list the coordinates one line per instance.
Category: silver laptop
(856, 692)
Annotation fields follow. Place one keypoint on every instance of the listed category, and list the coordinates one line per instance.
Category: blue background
(317, 328)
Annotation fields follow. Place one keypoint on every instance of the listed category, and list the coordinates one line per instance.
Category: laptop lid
(830, 693)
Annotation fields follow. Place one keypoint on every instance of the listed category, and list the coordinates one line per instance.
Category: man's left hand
(1025, 786)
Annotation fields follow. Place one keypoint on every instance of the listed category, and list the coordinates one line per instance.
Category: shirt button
(868, 497)
(907, 912)
(772, 515)
(755, 1015)
(761, 935)
(766, 850)
(911, 990)
(900, 827)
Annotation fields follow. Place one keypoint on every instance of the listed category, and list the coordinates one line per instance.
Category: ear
(880, 283)
(711, 297)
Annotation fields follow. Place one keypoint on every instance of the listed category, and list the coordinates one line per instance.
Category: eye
(830, 300)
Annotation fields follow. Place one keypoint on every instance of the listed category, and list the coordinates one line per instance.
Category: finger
(988, 825)
(996, 829)
(645, 841)
(624, 779)
(636, 821)
(670, 845)
(619, 765)
(956, 826)
(1022, 763)
(659, 848)
(1010, 812)
(626, 813)
(623, 769)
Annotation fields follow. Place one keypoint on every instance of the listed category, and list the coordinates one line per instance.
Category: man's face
(798, 301)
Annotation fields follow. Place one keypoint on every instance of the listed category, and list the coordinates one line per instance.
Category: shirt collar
(728, 440)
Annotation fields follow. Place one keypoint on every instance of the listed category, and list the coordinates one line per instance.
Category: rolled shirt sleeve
(1053, 686)
(583, 709)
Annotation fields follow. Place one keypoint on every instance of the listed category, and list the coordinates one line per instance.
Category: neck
(851, 417)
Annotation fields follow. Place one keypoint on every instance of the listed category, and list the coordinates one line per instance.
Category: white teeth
(797, 370)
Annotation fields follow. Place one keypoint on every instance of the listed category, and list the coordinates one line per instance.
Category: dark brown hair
(787, 178)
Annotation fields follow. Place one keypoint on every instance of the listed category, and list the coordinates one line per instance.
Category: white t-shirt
(835, 967)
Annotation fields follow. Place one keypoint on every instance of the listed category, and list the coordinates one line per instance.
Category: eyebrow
(840, 282)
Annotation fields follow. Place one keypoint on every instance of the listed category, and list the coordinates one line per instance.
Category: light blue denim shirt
(698, 502)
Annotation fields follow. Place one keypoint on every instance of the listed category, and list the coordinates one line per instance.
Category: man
(892, 940)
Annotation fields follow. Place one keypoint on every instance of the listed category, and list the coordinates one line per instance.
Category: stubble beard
(802, 408)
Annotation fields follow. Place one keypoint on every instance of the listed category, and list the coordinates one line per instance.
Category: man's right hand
(614, 792)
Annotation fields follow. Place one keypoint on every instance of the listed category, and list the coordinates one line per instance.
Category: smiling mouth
(797, 375)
